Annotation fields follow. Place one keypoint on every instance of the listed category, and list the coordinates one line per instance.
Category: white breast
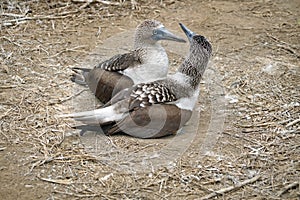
(180, 78)
(155, 66)
(188, 103)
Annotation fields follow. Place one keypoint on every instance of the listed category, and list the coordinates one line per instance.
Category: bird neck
(140, 41)
(193, 67)
(154, 64)
(146, 44)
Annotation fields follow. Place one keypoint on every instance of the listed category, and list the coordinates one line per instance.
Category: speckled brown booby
(159, 108)
(147, 62)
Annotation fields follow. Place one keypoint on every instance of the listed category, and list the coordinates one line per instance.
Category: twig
(2, 148)
(279, 41)
(11, 41)
(2, 132)
(231, 188)
(12, 22)
(8, 86)
(288, 187)
(144, 147)
(67, 50)
(70, 97)
(288, 49)
(97, 1)
(77, 195)
(11, 15)
(58, 181)
(6, 113)
(240, 137)
(292, 123)
(256, 125)
(284, 45)
(68, 12)
(40, 162)
(24, 18)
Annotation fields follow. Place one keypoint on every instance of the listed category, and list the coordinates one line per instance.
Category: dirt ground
(255, 154)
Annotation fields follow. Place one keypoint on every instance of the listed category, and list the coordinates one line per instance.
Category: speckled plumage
(121, 62)
(146, 94)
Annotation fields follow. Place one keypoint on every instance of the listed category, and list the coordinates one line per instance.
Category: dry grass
(256, 156)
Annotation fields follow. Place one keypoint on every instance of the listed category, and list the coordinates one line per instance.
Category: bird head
(197, 42)
(198, 57)
(151, 31)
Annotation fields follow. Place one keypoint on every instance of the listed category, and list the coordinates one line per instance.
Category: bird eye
(154, 32)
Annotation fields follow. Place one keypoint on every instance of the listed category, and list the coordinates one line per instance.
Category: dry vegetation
(257, 54)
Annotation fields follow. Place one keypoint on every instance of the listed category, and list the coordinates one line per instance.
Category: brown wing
(105, 84)
(121, 61)
(152, 121)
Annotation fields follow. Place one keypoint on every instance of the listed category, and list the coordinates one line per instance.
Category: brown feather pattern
(121, 62)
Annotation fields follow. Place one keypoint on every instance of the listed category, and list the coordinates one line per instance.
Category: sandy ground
(252, 84)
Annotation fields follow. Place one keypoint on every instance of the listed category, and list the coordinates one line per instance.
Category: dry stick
(240, 137)
(40, 162)
(11, 15)
(8, 86)
(18, 45)
(63, 182)
(77, 195)
(2, 148)
(6, 113)
(279, 41)
(144, 147)
(23, 19)
(70, 97)
(288, 187)
(96, 1)
(68, 50)
(228, 189)
(292, 123)
(288, 47)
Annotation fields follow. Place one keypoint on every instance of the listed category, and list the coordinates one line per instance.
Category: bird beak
(163, 34)
(187, 31)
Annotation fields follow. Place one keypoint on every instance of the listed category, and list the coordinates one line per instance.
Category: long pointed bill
(187, 31)
(163, 34)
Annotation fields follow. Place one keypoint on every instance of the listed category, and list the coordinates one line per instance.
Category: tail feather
(96, 120)
(91, 120)
(79, 114)
(82, 69)
(98, 116)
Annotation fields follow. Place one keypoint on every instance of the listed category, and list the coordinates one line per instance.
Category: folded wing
(152, 121)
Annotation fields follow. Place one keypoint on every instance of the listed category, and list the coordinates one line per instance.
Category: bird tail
(100, 116)
(79, 75)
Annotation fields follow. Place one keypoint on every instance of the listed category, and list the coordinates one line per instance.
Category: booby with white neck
(159, 108)
(147, 62)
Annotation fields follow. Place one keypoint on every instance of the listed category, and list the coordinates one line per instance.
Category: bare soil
(256, 53)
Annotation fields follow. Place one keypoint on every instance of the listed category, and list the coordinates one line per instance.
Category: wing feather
(120, 62)
(146, 94)
(152, 122)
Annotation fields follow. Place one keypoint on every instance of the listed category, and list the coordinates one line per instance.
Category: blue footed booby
(158, 108)
(147, 62)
